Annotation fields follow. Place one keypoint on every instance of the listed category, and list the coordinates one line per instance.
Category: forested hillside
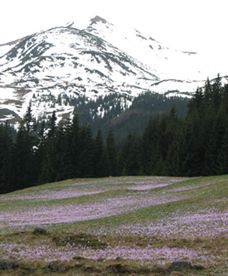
(196, 144)
(113, 112)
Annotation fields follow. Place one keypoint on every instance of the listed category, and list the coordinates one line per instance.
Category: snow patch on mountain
(168, 63)
(53, 68)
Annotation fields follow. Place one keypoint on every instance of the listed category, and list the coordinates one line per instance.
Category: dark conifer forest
(191, 145)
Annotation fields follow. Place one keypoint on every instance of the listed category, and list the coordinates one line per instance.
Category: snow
(103, 57)
(154, 55)
(4, 49)
(6, 93)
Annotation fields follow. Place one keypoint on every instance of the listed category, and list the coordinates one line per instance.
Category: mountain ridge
(52, 68)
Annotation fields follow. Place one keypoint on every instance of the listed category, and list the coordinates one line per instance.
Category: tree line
(40, 152)
(197, 144)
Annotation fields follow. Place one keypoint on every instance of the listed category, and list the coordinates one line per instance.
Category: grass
(24, 204)
(203, 197)
(84, 238)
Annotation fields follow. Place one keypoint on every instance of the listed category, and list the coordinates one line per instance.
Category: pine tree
(222, 155)
(49, 160)
(28, 119)
(86, 152)
(22, 159)
(5, 159)
(217, 92)
(75, 146)
(150, 147)
(99, 165)
(111, 155)
(40, 150)
(52, 125)
(131, 156)
(64, 153)
(176, 153)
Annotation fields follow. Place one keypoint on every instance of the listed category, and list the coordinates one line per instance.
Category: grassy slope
(194, 195)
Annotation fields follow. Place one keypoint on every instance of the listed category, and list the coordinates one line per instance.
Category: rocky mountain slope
(53, 69)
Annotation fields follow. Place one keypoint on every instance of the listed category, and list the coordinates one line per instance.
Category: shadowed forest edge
(170, 144)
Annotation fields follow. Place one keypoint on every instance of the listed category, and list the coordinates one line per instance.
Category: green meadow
(116, 226)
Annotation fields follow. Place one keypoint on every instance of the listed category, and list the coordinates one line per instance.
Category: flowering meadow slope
(115, 226)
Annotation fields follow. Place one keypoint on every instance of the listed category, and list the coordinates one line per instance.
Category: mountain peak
(54, 69)
(97, 19)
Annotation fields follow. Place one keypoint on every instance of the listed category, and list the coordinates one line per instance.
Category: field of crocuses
(115, 226)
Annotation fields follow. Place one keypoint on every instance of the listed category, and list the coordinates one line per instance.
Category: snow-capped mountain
(53, 68)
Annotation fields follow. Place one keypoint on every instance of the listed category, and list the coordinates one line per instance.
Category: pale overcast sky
(183, 24)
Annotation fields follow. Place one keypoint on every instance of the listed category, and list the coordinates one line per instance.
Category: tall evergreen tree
(111, 154)
(49, 160)
(5, 159)
(75, 145)
(99, 156)
(132, 156)
(22, 162)
(86, 152)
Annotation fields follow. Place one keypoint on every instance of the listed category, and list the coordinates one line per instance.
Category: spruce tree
(49, 160)
(111, 155)
(86, 152)
(99, 159)
(22, 159)
(75, 145)
(5, 159)
(132, 156)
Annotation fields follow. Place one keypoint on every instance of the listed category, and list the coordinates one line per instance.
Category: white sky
(184, 24)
